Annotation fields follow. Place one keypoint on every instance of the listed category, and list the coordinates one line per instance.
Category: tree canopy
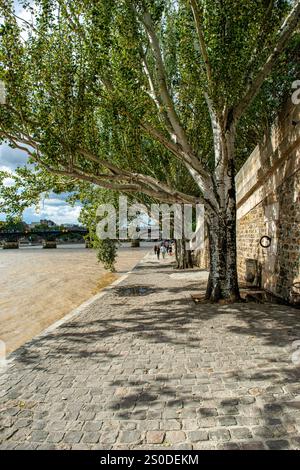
(159, 97)
(96, 91)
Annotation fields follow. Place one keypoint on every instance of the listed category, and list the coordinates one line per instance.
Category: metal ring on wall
(265, 241)
(296, 287)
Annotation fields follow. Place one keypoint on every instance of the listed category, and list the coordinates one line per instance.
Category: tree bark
(223, 277)
(184, 258)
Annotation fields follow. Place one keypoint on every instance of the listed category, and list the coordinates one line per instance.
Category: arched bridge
(11, 236)
(42, 233)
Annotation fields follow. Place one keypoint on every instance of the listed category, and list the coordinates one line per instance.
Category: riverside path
(144, 367)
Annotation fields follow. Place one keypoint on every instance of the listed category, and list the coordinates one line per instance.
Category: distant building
(33, 224)
(49, 223)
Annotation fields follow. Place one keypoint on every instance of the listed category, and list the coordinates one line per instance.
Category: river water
(38, 287)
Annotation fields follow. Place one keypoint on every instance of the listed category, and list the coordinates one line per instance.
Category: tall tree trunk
(184, 258)
(223, 278)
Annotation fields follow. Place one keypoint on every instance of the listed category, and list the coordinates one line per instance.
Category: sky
(55, 207)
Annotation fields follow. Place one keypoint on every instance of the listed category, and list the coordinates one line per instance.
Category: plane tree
(103, 91)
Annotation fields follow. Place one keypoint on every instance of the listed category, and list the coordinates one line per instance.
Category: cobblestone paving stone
(153, 370)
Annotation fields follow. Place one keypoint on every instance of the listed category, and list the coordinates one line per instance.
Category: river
(38, 287)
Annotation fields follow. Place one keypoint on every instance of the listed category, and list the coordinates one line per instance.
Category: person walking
(155, 249)
(163, 251)
(158, 252)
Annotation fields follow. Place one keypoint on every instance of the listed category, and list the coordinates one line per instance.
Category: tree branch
(283, 35)
(163, 87)
(198, 23)
(161, 75)
(121, 180)
(155, 97)
(260, 41)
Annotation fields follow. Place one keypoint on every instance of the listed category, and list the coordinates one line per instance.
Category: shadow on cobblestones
(157, 323)
(276, 325)
(136, 369)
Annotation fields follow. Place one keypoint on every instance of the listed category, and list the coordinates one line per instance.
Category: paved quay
(144, 367)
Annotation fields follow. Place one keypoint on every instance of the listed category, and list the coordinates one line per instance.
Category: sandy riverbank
(39, 287)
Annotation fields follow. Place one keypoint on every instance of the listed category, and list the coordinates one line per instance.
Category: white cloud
(54, 207)
(12, 158)
(60, 214)
(7, 181)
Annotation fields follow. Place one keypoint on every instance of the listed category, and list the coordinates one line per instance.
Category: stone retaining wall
(268, 201)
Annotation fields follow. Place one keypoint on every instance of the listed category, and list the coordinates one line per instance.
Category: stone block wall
(288, 250)
(201, 257)
(280, 263)
(249, 232)
(268, 201)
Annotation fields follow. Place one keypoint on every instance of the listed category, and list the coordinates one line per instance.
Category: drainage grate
(133, 291)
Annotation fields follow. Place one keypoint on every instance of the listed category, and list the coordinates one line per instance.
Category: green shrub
(107, 253)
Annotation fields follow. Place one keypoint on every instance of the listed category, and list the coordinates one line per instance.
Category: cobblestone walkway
(145, 368)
